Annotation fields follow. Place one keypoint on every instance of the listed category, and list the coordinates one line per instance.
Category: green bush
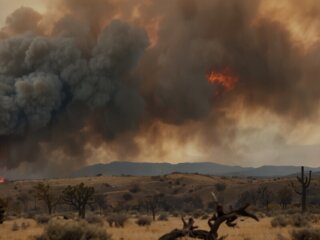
(73, 230)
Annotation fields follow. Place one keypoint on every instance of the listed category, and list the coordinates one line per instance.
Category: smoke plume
(124, 78)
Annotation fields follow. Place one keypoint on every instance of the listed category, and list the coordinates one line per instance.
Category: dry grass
(115, 187)
(248, 229)
(6, 232)
(189, 185)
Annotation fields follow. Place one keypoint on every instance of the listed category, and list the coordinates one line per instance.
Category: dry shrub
(42, 219)
(205, 216)
(306, 234)
(198, 213)
(144, 221)
(94, 219)
(25, 225)
(135, 188)
(281, 237)
(117, 220)
(11, 218)
(292, 211)
(313, 218)
(15, 227)
(261, 215)
(73, 230)
(29, 215)
(134, 213)
(163, 217)
(176, 214)
(279, 221)
(67, 216)
(296, 220)
(220, 187)
(110, 220)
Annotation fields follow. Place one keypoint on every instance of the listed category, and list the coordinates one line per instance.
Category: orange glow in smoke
(224, 78)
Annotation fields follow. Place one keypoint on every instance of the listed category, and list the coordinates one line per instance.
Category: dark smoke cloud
(22, 20)
(92, 79)
(44, 77)
(218, 34)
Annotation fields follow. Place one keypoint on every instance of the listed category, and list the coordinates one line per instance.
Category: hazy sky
(138, 87)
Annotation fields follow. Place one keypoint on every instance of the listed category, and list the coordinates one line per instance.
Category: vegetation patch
(73, 230)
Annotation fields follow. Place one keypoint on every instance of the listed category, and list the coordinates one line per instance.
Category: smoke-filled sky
(233, 82)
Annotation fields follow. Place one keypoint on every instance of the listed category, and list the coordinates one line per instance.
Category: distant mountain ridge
(153, 169)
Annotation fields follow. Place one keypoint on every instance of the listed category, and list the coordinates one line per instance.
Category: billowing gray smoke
(29, 102)
(43, 77)
(91, 77)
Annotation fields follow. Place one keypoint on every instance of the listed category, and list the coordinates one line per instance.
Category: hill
(154, 169)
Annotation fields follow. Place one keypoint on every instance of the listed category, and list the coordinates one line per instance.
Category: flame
(2, 180)
(224, 78)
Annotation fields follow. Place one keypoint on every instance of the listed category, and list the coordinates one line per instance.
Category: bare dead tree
(174, 234)
(101, 201)
(32, 193)
(284, 197)
(44, 193)
(78, 196)
(249, 196)
(265, 196)
(305, 183)
(24, 199)
(229, 218)
(152, 204)
(214, 223)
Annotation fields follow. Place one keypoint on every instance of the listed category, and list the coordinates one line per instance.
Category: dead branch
(214, 223)
(173, 235)
(230, 218)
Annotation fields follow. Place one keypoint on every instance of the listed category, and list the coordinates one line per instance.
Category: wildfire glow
(224, 78)
(2, 180)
